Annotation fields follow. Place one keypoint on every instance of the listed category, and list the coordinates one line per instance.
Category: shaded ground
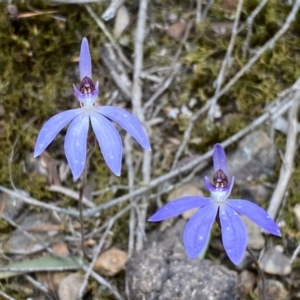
(197, 85)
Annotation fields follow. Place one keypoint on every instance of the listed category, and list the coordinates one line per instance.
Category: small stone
(273, 290)
(111, 262)
(176, 30)
(248, 280)
(10, 206)
(12, 11)
(61, 249)
(19, 243)
(70, 286)
(275, 262)
(256, 240)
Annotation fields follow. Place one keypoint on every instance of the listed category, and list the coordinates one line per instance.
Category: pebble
(275, 262)
(111, 262)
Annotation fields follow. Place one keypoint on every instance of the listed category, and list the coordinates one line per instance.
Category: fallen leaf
(40, 264)
(34, 14)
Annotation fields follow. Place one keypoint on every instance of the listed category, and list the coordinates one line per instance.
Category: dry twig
(5, 296)
(138, 109)
(288, 159)
(225, 62)
(95, 256)
(110, 12)
(108, 35)
(70, 193)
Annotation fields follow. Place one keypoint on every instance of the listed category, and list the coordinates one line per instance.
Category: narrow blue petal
(256, 214)
(197, 230)
(52, 127)
(229, 187)
(211, 188)
(179, 206)
(75, 143)
(109, 141)
(219, 159)
(234, 234)
(85, 64)
(128, 122)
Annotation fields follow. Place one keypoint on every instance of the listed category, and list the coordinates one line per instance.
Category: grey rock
(275, 262)
(254, 157)
(20, 243)
(163, 272)
(248, 280)
(12, 207)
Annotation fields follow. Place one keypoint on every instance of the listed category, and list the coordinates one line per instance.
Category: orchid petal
(256, 214)
(177, 207)
(234, 234)
(197, 230)
(85, 64)
(128, 122)
(211, 188)
(109, 141)
(219, 159)
(75, 143)
(229, 187)
(52, 127)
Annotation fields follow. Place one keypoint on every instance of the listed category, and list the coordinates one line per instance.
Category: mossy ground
(37, 70)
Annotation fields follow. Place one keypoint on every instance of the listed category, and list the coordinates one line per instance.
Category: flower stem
(260, 273)
(81, 191)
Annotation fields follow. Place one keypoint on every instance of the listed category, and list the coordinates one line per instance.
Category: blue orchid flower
(100, 117)
(218, 207)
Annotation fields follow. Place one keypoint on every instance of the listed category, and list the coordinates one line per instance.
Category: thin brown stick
(260, 272)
